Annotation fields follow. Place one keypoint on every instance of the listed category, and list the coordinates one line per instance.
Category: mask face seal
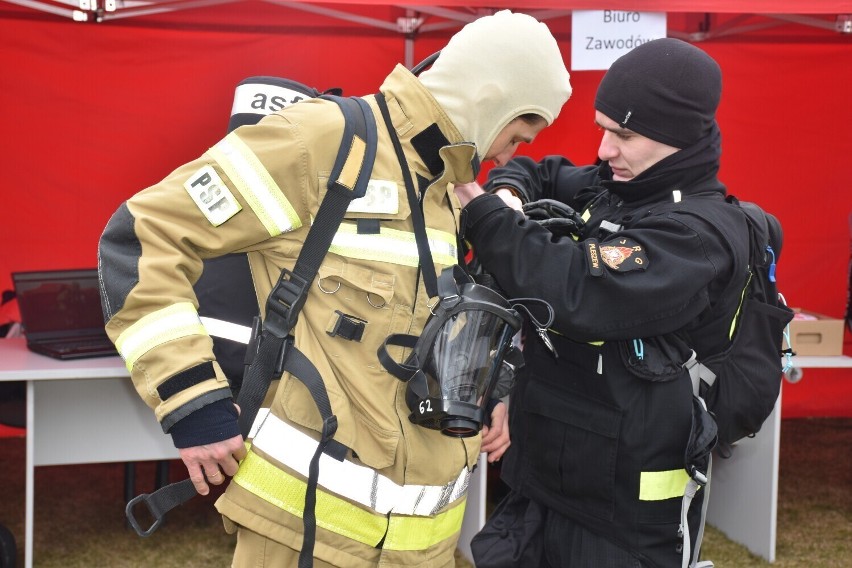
(456, 362)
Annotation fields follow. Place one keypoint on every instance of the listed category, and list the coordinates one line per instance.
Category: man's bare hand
(467, 191)
(510, 199)
(212, 462)
(495, 440)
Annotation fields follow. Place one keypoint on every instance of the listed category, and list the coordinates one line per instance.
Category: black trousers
(522, 533)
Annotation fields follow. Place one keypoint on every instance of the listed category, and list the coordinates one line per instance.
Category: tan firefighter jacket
(257, 191)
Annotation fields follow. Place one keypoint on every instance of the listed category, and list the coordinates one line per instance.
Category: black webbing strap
(427, 266)
(275, 352)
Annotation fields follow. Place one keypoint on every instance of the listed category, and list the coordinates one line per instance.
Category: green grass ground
(80, 521)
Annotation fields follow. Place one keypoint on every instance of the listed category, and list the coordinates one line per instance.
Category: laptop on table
(61, 313)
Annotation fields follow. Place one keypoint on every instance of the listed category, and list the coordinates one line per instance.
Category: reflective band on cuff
(355, 482)
(287, 492)
(227, 330)
(660, 485)
(176, 321)
(255, 184)
(391, 245)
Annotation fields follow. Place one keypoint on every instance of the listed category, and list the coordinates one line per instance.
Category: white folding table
(79, 411)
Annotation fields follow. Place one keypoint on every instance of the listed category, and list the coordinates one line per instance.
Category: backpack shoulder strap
(348, 181)
(276, 353)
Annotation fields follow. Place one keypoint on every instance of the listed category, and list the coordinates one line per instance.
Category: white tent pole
(336, 14)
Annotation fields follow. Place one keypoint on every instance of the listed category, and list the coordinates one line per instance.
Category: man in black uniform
(609, 442)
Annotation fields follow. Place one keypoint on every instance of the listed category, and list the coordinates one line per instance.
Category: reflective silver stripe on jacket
(357, 483)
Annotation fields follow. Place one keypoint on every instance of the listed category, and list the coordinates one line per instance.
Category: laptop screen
(59, 302)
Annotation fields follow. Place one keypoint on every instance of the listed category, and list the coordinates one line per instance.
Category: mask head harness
(455, 364)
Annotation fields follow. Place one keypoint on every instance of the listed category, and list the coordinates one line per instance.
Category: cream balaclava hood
(496, 69)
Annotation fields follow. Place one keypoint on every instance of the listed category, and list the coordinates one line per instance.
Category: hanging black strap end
(159, 503)
(131, 517)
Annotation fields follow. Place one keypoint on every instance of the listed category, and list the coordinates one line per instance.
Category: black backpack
(744, 380)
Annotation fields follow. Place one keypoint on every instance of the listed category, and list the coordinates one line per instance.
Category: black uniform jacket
(657, 270)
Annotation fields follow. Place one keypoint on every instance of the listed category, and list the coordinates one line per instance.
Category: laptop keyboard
(80, 345)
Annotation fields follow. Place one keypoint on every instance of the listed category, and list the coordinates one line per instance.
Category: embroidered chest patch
(624, 255)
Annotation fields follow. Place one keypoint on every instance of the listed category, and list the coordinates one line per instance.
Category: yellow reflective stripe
(176, 321)
(393, 246)
(739, 308)
(287, 492)
(660, 485)
(419, 533)
(255, 184)
(279, 488)
(595, 343)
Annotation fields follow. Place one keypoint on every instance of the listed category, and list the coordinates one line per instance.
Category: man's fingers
(198, 481)
(215, 476)
(498, 453)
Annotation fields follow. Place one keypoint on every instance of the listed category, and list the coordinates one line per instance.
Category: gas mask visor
(455, 364)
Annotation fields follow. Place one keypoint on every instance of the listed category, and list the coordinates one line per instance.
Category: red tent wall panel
(94, 112)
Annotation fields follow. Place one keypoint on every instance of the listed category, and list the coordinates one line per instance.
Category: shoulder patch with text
(212, 196)
(593, 257)
(623, 255)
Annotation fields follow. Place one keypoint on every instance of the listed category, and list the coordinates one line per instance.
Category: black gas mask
(455, 365)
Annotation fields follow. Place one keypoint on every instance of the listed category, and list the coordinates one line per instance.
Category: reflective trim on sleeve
(176, 321)
(255, 184)
(227, 330)
(355, 482)
(661, 485)
(287, 492)
(393, 246)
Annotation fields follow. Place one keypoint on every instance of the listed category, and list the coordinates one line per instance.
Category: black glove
(555, 216)
(512, 362)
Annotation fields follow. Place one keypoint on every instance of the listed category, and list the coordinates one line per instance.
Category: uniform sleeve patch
(212, 196)
(624, 255)
(593, 257)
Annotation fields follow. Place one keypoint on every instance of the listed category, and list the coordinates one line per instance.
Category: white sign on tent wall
(599, 37)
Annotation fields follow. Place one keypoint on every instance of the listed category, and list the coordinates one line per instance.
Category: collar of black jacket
(690, 170)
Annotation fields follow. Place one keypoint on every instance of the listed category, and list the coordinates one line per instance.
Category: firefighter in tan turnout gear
(398, 497)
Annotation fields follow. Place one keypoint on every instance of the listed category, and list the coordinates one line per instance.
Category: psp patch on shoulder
(624, 255)
(212, 196)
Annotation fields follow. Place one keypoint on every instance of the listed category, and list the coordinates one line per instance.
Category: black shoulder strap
(290, 292)
(349, 179)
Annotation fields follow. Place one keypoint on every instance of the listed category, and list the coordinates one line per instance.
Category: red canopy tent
(96, 109)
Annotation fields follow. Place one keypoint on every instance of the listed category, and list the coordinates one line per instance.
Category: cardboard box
(816, 334)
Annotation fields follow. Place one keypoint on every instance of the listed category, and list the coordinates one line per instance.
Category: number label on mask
(425, 406)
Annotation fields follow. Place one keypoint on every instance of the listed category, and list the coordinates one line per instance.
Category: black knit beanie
(665, 89)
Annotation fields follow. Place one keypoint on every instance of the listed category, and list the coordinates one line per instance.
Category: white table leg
(744, 489)
(30, 476)
(474, 514)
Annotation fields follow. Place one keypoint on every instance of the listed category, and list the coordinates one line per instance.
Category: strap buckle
(285, 302)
